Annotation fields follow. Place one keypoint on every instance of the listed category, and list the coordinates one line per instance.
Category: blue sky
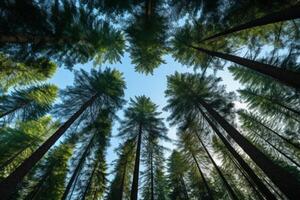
(137, 84)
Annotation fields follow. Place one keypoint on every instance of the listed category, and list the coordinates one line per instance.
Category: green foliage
(123, 169)
(19, 142)
(48, 179)
(65, 33)
(177, 169)
(147, 36)
(20, 74)
(29, 103)
(108, 85)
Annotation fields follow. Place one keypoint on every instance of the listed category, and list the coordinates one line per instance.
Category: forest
(70, 142)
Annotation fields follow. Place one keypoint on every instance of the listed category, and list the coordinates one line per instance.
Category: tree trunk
(286, 14)
(186, 194)
(123, 182)
(284, 180)
(248, 179)
(274, 147)
(12, 110)
(9, 184)
(77, 169)
(33, 194)
(135, 181)
(263, 189)
(90, 182)
(280, 136)
(203, 178)
(152, 178)
(228, 187)
(287, 77)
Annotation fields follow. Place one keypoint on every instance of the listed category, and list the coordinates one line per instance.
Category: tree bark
(263, 189)
(287, 77)
(78, 167)
(283, 15)
(203, 178)
(228, 187)
(284, 180)
(9, 184)
(135, 181)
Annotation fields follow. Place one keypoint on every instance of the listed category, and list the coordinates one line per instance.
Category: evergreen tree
(20, 74)
(19, 142)
(63, 31)
(191, 95)
(177, 170)
(29, 103)
(120, 185)
(90, 93)
(140, 124)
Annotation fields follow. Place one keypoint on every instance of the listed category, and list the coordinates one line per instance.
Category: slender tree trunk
(135, 181)
(290, 78)
(33, 194)
(9, 184)
(74, 186)
(276, 102)
(274, 147)
(280, 136)
(248, 179)
(203, 178)
(184, 188)
(152, 178)
(77, 169)
(284, 180)
(90, 182)
(263, 189)
(123, 182)
(12, 110)
(286, 14)
(274, 189)
(228, 187)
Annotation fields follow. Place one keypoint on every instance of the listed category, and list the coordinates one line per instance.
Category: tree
(48, 179)
(89, 93)
(120, 185)
(271, 102)
(177, 170)
(260, 138)
(94, 151)
(191, 152)
(186, 39)
(19, 74)
(189, 94)
(141, 123)
(29, 103)
(153, 176)
(285, 14)
(147, 35)
(67, 33)
(19, 142)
